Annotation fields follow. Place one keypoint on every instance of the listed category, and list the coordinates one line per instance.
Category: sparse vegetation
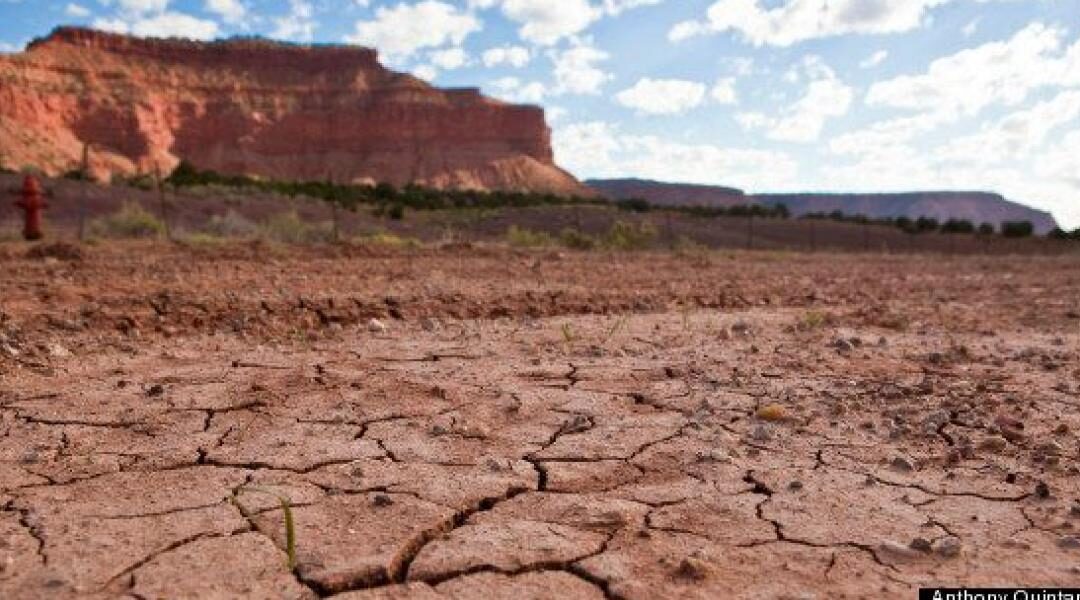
(289, 228)
(1017, 229)
(132, 221)
(388, 240)
(286, 509)
(521, 237)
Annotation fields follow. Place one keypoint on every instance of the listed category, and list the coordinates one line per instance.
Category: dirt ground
(487, 423)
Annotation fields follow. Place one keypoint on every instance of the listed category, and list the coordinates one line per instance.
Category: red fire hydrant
(32, 204)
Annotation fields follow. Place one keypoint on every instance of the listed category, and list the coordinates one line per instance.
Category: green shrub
(230, 224)
(577, 240)
(131, 221)
(388, 239)
(1017, 229)
(527, 238)
(289, 228)
(624, 235)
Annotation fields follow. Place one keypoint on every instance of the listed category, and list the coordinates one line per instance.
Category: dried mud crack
(628, 443)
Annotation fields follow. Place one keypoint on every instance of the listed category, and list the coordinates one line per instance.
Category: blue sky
(767, 95)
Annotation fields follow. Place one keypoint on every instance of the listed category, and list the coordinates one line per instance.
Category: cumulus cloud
(231, 11)
(514, 56)
(76, 10)
(405, 28)
(793, 21)
(662, 96)
(874, 59)
(1003, 72)
(826, 97)
(513, 89)
(545, 22)
(164, 25)
(577, 69)
(449, 59)
(298, 24)
(723, 92)
(600, 149)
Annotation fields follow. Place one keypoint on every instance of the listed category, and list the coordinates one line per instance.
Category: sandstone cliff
(263, 109)
(977, 207)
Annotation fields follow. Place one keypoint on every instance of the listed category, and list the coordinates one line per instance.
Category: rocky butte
(264, 109)
(977, 207)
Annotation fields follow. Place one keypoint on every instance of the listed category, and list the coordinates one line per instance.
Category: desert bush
(987, 229)
(577, 240)
(131, 221)
(230, 224)
(958, 226)
(387, 239)
(624, 235)
(527, 238)
(1017, 229)
(289, 228)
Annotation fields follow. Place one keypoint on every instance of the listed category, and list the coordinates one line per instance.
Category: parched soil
(484, 423)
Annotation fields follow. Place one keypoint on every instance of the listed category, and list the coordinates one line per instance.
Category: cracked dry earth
(840, 441)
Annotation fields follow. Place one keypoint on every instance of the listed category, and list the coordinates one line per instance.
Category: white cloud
(803, 121)
(231, 11)
(723, 92)
(165, 25)
(545, 22)
(874, 59)
(615, 7)
(1003, 72)
(298, 24)
(1015, 136)
(599, 149)
(514, 56)
(142, 7)
(792, 21)
(77, 11)
(425, 72)
(576, 70)
(402, 30)
(662, 96)
(513, 89)
(449, 59)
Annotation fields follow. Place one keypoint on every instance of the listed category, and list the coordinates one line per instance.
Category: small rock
(795, 486)
(577, 424)
(58, 351)
(994, 443)
(382, 500)
(921, 545)
(903, 464)
(772, 412)
(1062, 429)
(429, 324)
(1074, 512)
(761, 433)
(155, 390)
(1049, 449)
(898, 549)
(1042, 490)
(1069, 542)
(693, 568)
(741, 328)
(949, 547)
(376, 326)
(842, 345)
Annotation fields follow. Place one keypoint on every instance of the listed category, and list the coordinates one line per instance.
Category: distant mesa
(977, 207)
(263, 109)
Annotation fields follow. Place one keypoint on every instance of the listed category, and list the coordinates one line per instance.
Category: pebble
(382, 500)
(843, 345)
(1069, 542)
(902, 463)
(949, 547)
(693, 568)
(761, 433)
(741, 328)
(994, 443)
(772, 412)
(58, 351)
(1075, 511)
(376, 326)
(898, 549)
(795, 486)
(155, 390)
(576, 424)
(1042, 490)
(922, 545)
